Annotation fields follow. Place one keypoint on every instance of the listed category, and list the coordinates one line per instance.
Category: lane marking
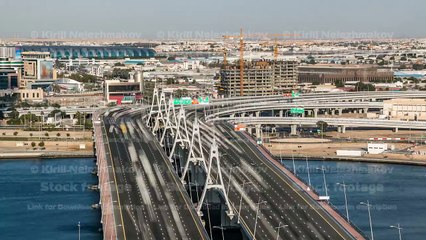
(116, 187)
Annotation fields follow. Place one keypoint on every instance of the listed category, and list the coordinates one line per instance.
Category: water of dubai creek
(397, 194)
(46, 199)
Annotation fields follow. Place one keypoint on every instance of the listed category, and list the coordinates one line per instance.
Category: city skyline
(193, 20)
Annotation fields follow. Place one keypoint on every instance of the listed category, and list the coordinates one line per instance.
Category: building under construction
(260, 78)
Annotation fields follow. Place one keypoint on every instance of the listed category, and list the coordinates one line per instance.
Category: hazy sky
(201, 19)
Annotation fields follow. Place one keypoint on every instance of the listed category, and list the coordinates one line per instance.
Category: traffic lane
(159, 197)
(265, 226)
(275, 181)
(138, 210)
(114, 197)
(264, 229)
(279, 177)
(278, 205)
(178, 200)
(156, 212)
(124, 184)
(276, 178)
(308, 229)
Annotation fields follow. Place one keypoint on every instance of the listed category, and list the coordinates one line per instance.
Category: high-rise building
(261, 77)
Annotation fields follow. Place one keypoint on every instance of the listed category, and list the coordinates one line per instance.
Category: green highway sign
(182, 101)
(190, 101)
(295, 94)
(297, 110)
(202, 100)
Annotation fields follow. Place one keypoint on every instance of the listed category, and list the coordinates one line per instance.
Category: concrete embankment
(108, 191)
(356, 159)
(19, 144)
(45, 155)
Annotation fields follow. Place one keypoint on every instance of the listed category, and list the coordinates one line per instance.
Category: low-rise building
(377, 148)
(9, 79)
(405, 109)
(31, 94)
(119, 92)
(330, 73)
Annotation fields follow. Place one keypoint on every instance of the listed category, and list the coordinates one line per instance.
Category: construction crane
(241, 39)
(275, 47)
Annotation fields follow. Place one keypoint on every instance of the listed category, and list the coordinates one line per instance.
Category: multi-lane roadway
(269, 194)
(152, 202)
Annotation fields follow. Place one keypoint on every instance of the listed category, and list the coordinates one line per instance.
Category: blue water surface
(45, 199)
(397, 194)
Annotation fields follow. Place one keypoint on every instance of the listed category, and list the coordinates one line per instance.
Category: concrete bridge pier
(395, 130)
(293, 129)
(281, 113)
(257, 114)
(341, 129)
(258, 130)
(340, 111)
(249, 130)
(316, 112)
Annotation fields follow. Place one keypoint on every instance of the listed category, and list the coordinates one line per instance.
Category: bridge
(321, 97)
(277, 108)
(341, 123)
(180, 173)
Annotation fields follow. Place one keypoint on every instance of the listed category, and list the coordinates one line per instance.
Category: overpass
(342, 123)
(276, 107)
(320, 97)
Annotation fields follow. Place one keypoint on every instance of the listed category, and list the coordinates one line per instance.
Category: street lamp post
(397, 226)
(346, 199)
(257, 216)
(369, 217)
(294, 165)
(325, 182)
(78, 230)
(309, 175)
(280, 225)
(241, 201)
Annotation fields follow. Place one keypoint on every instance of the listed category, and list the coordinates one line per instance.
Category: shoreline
(44, 155)
(354, 159)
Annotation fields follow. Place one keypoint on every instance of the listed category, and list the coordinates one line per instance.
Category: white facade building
(377, 148)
